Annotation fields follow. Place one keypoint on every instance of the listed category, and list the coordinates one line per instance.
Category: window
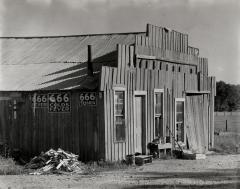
(158, 113)
(180, 130)
(191, 71)
(119, 115)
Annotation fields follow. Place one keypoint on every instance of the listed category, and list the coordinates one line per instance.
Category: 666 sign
(87, 99)
(59, 102)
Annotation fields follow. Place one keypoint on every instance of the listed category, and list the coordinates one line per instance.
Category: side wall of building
(31, 129)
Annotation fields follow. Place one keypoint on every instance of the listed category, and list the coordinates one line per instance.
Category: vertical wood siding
(143, 74)
(34, 130)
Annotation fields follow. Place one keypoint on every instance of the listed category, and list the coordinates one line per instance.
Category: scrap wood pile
(58, 161)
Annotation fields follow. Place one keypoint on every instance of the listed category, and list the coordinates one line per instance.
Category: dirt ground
(217, 171)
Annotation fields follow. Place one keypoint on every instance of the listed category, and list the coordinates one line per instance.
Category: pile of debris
(54, 161)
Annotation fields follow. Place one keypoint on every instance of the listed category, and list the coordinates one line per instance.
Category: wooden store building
(105, 96)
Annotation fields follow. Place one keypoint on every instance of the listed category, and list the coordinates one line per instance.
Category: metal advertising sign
(88, 99)
(59, 102)
(41, 101)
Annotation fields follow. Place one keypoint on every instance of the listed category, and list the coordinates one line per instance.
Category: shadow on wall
(78, 78)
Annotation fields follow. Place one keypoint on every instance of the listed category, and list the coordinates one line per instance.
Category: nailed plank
(119, 49)
(143, 63)
(138, 79)
(131, 56)
(112, 125)
(142, 79)
(102, 78)
(114, 82)
(127, 58)
(123, 63)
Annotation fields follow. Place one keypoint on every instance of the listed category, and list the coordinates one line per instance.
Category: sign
(88, 99)
(41, 101)
(59, 102)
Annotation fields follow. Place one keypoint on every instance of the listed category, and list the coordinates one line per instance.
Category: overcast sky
(212, 25)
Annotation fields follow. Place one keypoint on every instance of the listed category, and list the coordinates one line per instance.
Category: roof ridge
(66, 36)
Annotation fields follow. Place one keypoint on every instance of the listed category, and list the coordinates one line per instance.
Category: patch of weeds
(106, 165)
(226, 144)
(9, 167)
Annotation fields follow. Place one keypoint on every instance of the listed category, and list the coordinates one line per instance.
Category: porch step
(143, 159)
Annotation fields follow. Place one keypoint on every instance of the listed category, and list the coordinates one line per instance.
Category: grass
(9, 167)
(106, 166)
(233, 123)
(229, 143)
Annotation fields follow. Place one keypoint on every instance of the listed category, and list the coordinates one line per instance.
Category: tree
(228, 97)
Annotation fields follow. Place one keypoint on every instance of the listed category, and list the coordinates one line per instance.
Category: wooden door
(197, 122)
(139, 124)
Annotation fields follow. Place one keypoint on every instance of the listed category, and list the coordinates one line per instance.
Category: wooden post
(90, 67)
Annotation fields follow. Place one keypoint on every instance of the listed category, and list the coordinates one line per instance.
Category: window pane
(179, 117)
(119, 102)
(120, 128)
(158, 126)
(180, 132)
(119, 97)
(157, 123)
(158, 105)
(119, 109)
(180, 106)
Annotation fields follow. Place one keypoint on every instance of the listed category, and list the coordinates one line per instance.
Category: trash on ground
(54, 161)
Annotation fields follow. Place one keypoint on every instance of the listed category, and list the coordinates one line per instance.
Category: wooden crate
(143, 159)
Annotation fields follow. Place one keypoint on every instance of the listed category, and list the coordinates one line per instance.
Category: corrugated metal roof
(52, 62)
(59, 49)
(46, 76)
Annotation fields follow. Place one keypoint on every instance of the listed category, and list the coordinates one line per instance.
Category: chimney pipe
(90, 67)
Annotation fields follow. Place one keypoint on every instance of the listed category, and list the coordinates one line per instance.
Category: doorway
(140, 124)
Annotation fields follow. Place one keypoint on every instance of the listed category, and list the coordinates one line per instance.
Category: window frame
(119, 89)
(154, 113)
(184, 120)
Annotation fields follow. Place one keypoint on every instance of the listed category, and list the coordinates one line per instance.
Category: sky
(213, 25)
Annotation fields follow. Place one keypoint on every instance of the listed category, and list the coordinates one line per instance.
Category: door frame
(144, 125)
